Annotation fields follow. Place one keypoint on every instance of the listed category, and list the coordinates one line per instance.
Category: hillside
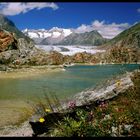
(124, 48)
(128, 38)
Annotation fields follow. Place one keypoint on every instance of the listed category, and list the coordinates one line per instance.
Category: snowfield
(70, 50)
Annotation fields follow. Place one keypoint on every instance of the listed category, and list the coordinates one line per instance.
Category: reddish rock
(7, 41)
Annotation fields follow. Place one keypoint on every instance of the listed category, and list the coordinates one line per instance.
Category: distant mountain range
(87, 38)
(45, 37)
(59, 36)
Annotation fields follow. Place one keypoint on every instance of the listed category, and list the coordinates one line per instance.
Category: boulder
(8, 56)
(3, 68)
(24, 47)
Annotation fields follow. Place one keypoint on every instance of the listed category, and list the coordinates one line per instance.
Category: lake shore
(25, 71)
(92, 64)
(30, 71)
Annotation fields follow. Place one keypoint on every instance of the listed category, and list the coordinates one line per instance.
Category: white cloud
(138, 10)
(22, 7)
(106, 30)
(83, 28)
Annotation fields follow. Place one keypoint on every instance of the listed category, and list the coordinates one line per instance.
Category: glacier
(70, 50)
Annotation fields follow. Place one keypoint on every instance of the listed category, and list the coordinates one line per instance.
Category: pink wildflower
(72, 104)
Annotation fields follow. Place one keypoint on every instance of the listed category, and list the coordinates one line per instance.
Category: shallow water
(63, 83)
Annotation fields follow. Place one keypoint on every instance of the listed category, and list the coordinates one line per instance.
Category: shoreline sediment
(30, 71)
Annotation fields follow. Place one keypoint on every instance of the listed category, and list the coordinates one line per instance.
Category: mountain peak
(87, 38)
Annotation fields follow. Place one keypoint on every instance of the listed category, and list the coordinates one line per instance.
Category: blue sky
(71, 15)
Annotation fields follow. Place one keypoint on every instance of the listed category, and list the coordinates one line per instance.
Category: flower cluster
(118, 83)
(41, 120)
(90, 116)
(72, 104)
(47, 110)
(103, 104)
(119, 109)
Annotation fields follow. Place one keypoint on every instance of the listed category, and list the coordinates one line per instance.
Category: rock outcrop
(7, 41)
(104, 93)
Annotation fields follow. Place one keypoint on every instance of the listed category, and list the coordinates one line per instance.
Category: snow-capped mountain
(54, 35)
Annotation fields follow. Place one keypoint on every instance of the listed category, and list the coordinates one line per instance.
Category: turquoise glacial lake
(63, 83)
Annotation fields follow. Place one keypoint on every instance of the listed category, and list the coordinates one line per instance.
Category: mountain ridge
(61, 36)
(129, 37)
(87, 38)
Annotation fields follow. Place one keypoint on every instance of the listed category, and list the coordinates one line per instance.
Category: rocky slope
(16, 53)
(128, 38)
(124, 48)
(13, 49)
